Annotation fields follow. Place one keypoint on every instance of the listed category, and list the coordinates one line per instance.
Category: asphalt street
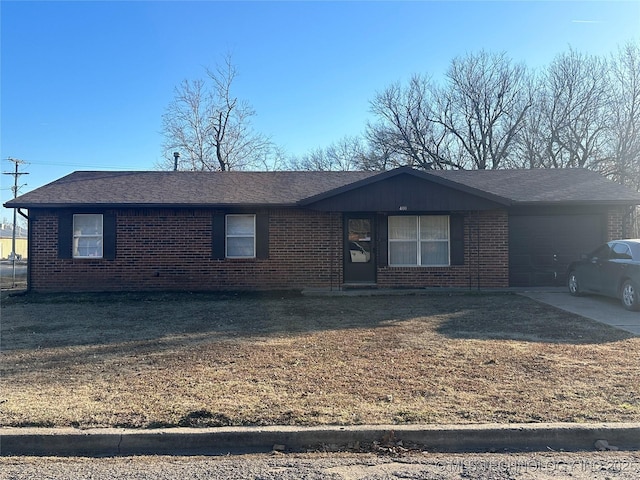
(335, 466)
(6, 269)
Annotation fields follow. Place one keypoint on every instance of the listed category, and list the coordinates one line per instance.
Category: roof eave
(552, 203)
(58, 206)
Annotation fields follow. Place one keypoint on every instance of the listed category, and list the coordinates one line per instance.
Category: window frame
(77, 236)
(227, 235)
(418, 241)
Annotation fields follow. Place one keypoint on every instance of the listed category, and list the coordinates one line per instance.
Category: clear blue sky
(84, 84)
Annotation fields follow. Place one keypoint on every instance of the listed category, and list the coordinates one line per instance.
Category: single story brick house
(402, 228)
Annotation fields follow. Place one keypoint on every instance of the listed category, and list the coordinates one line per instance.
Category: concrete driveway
(601, 309)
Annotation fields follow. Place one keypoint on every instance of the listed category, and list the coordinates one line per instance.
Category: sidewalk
(601, 309)
(235, 440)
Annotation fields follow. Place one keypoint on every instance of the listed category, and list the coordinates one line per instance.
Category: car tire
(574, 284)
(629, 296)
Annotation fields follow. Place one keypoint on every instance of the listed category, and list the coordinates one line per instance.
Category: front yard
(151, 360)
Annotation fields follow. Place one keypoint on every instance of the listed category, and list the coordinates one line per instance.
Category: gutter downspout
(478, 255)
(29, 246)
(331, 252)
(630, 224)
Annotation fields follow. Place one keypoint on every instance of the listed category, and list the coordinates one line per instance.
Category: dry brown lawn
(152, 360)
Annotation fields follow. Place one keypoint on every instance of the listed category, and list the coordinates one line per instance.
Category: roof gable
(404, 189)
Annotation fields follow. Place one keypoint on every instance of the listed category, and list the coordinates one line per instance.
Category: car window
(602, 252)
(621, 251)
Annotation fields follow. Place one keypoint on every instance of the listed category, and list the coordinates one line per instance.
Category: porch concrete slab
(235, 440)
(601, 309)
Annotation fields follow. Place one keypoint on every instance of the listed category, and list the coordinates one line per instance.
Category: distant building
(6, 241)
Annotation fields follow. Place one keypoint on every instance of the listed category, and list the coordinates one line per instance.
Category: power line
(16, 175)
(83, 165)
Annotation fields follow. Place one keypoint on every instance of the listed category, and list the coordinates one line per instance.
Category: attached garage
(555, 215)
(541, 247)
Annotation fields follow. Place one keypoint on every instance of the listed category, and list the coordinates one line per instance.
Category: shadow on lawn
(134, 324)
(549, 327)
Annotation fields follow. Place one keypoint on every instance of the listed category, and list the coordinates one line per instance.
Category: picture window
(419, 240)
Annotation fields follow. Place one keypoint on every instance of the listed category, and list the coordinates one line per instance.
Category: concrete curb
(230, 440)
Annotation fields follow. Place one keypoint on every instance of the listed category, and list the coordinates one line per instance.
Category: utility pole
(16, 175)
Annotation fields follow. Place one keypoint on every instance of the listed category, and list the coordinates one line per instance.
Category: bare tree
(529, 150)
(314, 160)
(484, 107)
(470, 122)
(571, 107)
(408, 127)
(210, 127)
(346, 154)
(379, 154)
(625, 115)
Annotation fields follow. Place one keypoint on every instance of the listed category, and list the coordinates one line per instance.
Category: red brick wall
(616, 227)
(171, 250)
(486, 258)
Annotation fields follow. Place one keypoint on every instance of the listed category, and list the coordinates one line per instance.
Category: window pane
(434, 228)
(240, 224)
(621, 251)
(87, 224)
(87, 236)
(359, 229)
(434, 253)
(87, 247)
(240, 247)
(403, 253)
(403, 228)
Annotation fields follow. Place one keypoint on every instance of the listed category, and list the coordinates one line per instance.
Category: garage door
(542, 246)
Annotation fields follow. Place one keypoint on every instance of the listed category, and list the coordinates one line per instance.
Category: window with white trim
(240, 236)
(419, 240)
(87, 236)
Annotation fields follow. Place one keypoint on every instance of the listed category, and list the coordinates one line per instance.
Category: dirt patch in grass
(156, 360)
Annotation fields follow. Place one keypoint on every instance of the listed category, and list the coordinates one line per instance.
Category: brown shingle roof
(545, 185)
(185, 188)
(539, 186)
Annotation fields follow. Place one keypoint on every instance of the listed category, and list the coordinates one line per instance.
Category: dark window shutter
(456, 226)
(109, 235)
(65, 235)
(262, 236)
(218, 237)
(383, 241)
